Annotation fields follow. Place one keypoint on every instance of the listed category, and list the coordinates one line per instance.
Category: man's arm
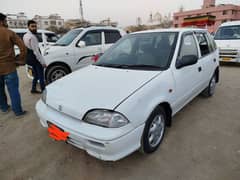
(35, 47)
(17, 41)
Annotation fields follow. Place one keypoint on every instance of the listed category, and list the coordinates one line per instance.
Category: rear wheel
(154, 131)
(56, 72)
(210, 90)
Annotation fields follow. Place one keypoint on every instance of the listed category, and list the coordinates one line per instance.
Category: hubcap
(57, 74)
(212, 85)
(156, 131)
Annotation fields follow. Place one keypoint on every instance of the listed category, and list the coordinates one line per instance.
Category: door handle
(199, 69)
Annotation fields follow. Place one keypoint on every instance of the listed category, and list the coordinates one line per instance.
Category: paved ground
(202, 144)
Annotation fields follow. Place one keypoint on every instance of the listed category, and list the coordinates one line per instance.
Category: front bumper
(108, 144)
(229, 59)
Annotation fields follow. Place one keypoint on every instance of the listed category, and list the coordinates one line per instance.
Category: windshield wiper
(126, 66)
(144, 66)
(59, 44)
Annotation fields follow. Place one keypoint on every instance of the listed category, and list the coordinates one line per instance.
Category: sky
(125, 12)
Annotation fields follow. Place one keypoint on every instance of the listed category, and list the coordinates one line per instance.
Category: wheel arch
(167, 107)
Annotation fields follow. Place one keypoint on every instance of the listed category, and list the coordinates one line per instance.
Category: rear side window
(188, 46)
(213, 45)
(203, 43)
(111, 36)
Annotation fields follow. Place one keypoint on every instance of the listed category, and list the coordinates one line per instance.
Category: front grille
(228, 53)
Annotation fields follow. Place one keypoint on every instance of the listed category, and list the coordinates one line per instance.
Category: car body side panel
(139, 106)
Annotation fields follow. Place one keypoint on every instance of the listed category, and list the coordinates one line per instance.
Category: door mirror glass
(81, 44)
(186, 61)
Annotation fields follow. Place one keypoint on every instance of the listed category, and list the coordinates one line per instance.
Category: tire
(154, 131)
(56, 72)
(210, 90)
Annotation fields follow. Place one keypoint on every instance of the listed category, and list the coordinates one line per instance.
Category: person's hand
(44, 65)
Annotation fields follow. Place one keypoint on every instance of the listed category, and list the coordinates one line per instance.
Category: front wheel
(56, 72)
(154, 131)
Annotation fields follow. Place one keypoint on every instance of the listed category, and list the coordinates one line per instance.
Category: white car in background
(45, 38)
(125, 100)
(76, 48)
(227, 39)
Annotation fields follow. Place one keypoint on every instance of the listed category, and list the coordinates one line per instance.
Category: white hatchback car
(124, 102)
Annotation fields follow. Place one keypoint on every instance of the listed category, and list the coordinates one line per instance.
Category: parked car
(228, 40)
(45, 38)
(125, 101)
(75, 49)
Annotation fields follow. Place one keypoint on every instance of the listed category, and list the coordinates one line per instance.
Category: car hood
(95, 87)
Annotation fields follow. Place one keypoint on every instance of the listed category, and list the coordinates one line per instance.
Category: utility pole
(81, 11)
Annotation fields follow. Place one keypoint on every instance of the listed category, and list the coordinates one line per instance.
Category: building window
(176, 18)
(224, 12)
(53, 23)
(234, 12)
(60, 23)
(45, 22)
(176, 25)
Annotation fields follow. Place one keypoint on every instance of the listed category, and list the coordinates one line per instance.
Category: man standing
(34, 57)
(8, 64)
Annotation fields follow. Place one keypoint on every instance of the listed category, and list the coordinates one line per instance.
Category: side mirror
(186, 61)
(81, 44)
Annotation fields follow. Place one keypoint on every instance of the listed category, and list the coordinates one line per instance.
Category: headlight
(44, 96)
(105, 118)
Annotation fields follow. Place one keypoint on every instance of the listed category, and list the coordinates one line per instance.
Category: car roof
(19, 30)
(98, 28)
(181, 30)
(231, 23)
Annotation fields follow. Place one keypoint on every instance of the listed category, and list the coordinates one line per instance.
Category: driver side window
(188, 46)
(92, 38)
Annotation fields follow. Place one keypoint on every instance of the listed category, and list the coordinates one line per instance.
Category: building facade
(17, 20)
(210, 16)
(45, 22)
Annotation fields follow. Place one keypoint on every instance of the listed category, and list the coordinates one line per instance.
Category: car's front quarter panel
(64, 55)
(138, 107)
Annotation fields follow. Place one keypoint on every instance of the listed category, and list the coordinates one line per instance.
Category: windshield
(141, 51)
(51, 37)
(68, 38)
(227, 33)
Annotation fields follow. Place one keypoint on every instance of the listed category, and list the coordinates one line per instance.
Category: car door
(93, 41)
(110, 37)
(207, 57)
(187, 78)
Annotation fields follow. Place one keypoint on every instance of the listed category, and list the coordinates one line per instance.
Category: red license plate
(56, 133)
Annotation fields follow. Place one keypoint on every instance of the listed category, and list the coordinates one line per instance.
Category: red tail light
(95, 58)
